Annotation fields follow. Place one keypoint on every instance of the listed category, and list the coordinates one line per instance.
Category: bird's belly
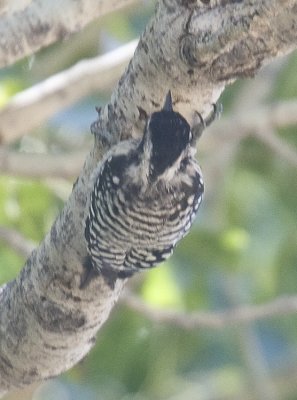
(153, 227)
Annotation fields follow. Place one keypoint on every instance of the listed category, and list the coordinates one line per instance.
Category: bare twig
(216, 320)
(277, 115)
(279, 146)
(41, 165)
(39, 102)
(16, 241)
(260, 122)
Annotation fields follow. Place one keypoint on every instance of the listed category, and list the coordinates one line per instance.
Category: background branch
(41, 23)
(261, 122)
(279, 146)
(216, 320)
(36, 104)
(65, 165)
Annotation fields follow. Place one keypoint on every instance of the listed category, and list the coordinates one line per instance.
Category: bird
(146, 195)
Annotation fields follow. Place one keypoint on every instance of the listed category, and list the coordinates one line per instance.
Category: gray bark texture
(47, 322)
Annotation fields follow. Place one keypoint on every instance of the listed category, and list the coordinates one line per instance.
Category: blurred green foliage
(28, 207)
(247, 254)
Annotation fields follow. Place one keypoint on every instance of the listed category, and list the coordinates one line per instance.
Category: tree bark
(47, 322)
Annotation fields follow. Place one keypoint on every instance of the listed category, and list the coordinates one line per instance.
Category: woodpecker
(145, 196)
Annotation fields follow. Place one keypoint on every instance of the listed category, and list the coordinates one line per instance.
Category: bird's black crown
(169, 135)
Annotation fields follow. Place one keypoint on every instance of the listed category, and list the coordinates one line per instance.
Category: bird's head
(167, 137)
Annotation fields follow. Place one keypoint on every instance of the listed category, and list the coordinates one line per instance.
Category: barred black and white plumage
(145, 196)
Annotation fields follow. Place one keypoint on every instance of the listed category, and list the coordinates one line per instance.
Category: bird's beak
(168, 102)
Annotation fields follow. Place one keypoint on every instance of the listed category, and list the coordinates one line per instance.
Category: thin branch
(41, 23)
(216, 320)
(16, 241)
(277, 115)
(36, 104)
(260, 122)
(279, 146)
(41, 165)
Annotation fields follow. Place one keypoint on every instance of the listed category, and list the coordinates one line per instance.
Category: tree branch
(260, 122)
(271, 116)
(54, 166)
(215, 320)
(204, 49)
(41, 23)
(47, 320)
(36, 104)
(278, 146)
